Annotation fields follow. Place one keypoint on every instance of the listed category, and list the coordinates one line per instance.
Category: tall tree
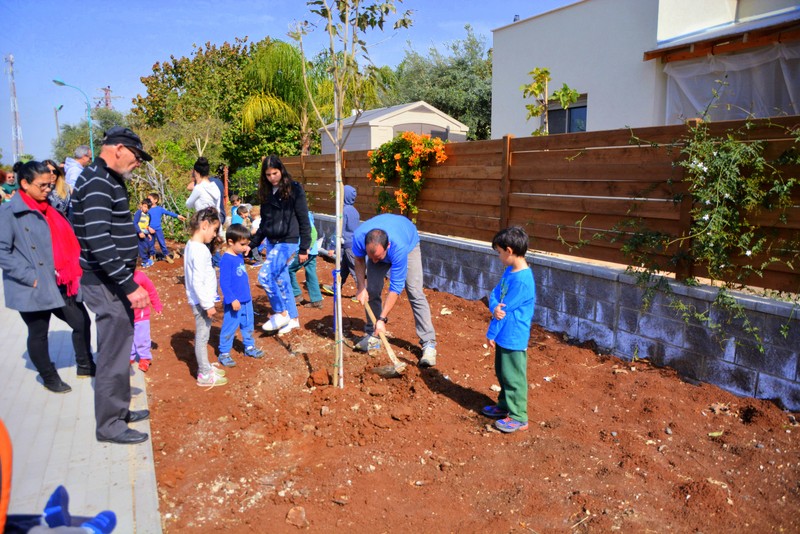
(458, 82)
(346, 22)
(74, 135)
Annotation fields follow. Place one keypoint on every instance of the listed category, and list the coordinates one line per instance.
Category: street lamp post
(60, 83)
(58, 130)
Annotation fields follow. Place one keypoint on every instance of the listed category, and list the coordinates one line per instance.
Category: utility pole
(16, 127)
(105, 100)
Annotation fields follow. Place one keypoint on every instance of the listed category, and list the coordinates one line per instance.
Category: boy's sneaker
(146, 264)
(226, 360)
(144, 365)
(315, 304)
(291, 325)
(368, 343)
(56, 511)
(428, 356)
(276, 322)
(102, 523)
(169, 259)
(494, 412)
(326, 289)
(509, 425)
(253, 352)
(211, 379)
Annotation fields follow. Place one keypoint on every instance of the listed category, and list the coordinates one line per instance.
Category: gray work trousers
(376, 274)
(112, 383)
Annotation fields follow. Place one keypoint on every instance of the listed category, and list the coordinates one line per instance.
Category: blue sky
(93, 44)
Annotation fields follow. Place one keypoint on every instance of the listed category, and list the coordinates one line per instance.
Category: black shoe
(57, 386)
(139, 415)
(87, 372)
(128, 437)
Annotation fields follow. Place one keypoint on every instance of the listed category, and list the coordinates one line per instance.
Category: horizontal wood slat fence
(566, 189)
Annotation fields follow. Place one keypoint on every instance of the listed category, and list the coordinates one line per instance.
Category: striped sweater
(101, 217)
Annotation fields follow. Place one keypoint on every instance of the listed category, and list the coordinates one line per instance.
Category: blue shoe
(253, 352)
(102, 523)
(226, 360)
(495, 412)
(509, 425)
(56, 511)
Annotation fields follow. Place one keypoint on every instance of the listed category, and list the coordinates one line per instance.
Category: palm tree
(276, 69)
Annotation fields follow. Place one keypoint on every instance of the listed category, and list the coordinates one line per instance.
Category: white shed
(375, 127)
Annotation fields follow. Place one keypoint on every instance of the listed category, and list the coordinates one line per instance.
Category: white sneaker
(211, 379)
(276, 322)
(291, 325)
(428, 357)
(368, 343)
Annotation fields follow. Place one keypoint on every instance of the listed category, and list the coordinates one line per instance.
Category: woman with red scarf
(39, 256)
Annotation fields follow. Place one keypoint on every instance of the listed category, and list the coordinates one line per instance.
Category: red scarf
(66, 250)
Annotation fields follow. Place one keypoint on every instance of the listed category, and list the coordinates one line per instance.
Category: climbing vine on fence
(404, 158)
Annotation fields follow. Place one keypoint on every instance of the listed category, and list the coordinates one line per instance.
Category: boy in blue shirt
(156, 214)
(511, 303)
(237, 301)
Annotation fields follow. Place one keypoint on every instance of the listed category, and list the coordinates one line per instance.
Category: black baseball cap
(117, 135)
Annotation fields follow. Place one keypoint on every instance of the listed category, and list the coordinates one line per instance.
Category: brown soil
(612, 445)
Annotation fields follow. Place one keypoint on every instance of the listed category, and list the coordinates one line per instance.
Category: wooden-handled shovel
(399, 366)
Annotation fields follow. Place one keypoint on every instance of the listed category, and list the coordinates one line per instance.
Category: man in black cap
(102, 220)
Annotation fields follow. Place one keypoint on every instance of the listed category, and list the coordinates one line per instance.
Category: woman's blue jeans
(274, 277)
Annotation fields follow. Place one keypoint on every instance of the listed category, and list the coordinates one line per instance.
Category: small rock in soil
(320, 377)
(402, 413)
(297, 517)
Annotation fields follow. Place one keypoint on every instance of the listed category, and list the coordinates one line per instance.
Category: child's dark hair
(236, 233)
(513, 237)
(210, 215)
(147, 202)
(155, 196)
(234, 198)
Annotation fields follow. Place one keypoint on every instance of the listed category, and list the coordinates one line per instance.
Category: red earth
(613, 445)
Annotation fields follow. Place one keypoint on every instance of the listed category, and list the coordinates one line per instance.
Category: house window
(572, 119)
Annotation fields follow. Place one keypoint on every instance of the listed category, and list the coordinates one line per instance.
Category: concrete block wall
(604, 305)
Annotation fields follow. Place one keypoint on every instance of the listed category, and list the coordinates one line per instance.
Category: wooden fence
(570, 191)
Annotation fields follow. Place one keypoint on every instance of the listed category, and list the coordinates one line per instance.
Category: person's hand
(499, 313)
(35, 282)
(211, 312)
(380, 328)
(491, 343)
(362, 296)
(236, 305)
(191, 185)
(139, 299)
(141, 235)
(151, 230)
(181, 218)
(302, 258)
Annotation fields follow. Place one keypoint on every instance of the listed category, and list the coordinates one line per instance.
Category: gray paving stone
(54, 441)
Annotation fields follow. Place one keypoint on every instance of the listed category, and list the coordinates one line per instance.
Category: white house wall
(595, 47)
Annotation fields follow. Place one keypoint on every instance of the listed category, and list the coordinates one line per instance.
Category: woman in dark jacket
(287, 230)
(39, 256)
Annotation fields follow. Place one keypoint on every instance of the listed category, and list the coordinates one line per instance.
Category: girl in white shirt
(201, 290)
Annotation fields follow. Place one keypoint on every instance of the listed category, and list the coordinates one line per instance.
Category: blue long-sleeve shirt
(233, 279)
(156, 213)
(517, 290)
(403, 237)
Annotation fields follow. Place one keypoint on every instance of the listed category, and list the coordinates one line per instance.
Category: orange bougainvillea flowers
(404, 158)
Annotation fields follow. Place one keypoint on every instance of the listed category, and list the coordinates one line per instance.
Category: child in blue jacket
(512, 302)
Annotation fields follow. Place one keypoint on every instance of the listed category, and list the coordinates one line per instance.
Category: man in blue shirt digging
(392, 244)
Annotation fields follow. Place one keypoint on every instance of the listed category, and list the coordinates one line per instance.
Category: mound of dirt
(612, 445)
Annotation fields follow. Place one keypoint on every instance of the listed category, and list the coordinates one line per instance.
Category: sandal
(509, 425)
(495, 412)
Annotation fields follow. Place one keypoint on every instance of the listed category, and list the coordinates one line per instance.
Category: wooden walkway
(54, 441)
